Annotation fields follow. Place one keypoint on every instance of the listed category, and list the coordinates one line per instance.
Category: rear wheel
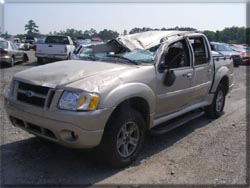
(69, 57)
(215, 110)
(25, 58)
(236, 64)
(123, 139)
(12, 61)
(40, 61)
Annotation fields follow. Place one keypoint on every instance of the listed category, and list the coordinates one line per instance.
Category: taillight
(243, 54)
(3, 52)
(65, 49)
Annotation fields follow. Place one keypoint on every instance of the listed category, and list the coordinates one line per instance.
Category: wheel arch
(136, 103)
(221, 77)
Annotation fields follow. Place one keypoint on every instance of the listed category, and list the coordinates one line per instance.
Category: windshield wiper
(121, 57)
(92, 58)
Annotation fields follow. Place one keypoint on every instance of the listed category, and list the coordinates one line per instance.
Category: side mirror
(169, 78)
(162, 67)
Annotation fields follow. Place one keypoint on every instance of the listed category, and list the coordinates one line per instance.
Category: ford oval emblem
(29, 94)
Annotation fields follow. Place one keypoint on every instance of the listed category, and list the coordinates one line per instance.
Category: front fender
(220, 73)
(127, 91)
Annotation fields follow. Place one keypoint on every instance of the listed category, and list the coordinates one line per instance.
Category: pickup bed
(54, 47)
(109, 102)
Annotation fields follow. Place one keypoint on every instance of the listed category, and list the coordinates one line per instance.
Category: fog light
(74, 135)
(68, 135)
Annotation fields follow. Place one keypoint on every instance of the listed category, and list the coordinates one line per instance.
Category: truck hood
(66, 72)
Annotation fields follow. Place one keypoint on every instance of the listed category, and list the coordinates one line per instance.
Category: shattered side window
(177, 55)
(140, 56)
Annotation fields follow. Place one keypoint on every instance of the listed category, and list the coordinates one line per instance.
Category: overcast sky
(120, 16)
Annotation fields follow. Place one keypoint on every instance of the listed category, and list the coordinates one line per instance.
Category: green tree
(31, 28)
(4, 35)
(210, 35)
(108, 34)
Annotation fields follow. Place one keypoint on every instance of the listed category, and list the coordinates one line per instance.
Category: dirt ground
(200, 152)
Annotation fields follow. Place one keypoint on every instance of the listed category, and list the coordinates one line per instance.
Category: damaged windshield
(134, 57)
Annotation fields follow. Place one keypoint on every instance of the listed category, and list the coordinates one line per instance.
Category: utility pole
(2, 17)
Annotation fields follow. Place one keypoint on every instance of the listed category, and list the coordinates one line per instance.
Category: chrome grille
(33, 94)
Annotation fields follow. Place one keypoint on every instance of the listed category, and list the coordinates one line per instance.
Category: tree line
(232, 35)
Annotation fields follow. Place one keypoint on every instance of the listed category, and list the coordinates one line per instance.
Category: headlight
(8, 89)
(78, 101)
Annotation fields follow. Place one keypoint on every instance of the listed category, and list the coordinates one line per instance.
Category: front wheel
(25, 58)
(215, 110)
(123, 139)
(40, 61)
(12, 61)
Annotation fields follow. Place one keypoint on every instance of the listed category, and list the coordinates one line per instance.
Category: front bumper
(70, 129)
(5, 59)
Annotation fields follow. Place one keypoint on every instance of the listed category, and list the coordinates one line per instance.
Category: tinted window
(177, 55)
(57, 40)
(200, 51)
(3, 44)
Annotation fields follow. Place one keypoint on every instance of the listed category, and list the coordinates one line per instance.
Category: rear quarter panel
(223, 68)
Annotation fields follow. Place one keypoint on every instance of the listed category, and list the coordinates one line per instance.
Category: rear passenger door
(203, 70)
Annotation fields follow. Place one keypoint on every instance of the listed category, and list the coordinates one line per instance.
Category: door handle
(188, 75)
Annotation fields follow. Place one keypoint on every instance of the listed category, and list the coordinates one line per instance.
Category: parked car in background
(54, 48)
(244, 51)
(226, 50)
(31, 41)
(83, 50)
(23, 46)
(80, 42)
(152, 81)
(10, 53)
(39, 41)
(17, 40)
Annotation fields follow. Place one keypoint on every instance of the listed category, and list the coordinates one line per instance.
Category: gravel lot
(200, 152)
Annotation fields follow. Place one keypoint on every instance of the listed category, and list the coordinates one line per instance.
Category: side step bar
(166, 127)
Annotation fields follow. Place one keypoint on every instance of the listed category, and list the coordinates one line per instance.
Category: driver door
(176, 58)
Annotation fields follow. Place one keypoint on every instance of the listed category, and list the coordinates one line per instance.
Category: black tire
(69, 56)
(25, 58)
(236, 64)
(215, 110)
(115, 127)
(12, 63)
(40, 61)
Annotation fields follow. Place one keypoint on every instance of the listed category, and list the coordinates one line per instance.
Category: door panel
(202, 81)
(177, 96)
(203, 70)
